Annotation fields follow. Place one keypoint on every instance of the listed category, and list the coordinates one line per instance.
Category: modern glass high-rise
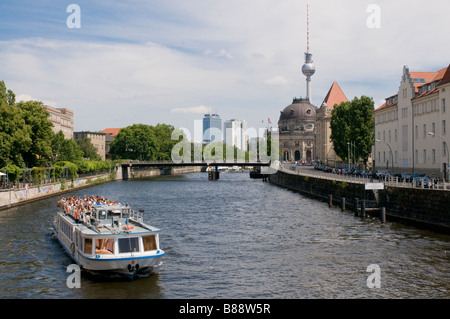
(236, 133)
(212, 128)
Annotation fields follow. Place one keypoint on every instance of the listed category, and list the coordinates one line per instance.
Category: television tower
(308, 68)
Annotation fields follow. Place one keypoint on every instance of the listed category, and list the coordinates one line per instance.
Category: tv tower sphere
(308, 68)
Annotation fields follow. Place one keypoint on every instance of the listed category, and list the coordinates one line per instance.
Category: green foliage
(41, 133)
(69, 151)
(15, 135)
(88, 166)
(13, 171)
(88, 149)
(353, 122)
(136, 142)
(72, 168)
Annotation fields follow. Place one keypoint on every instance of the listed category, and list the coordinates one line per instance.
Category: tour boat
(108, 238)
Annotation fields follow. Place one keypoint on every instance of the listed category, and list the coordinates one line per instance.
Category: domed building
(296, 128)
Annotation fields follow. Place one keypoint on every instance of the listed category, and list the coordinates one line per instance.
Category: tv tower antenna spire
(307, 26)
(308, 68)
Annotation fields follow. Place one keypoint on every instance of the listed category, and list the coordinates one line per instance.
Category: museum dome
(300, 109)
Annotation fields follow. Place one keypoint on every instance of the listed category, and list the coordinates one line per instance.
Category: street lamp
(448, 155)
(390, 151)
(353, 152)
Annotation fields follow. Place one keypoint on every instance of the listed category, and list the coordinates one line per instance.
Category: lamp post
(390, 151)
(448, 155)
(353, 152)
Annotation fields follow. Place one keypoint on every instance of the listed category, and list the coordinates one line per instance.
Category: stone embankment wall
(427, 208)
(14, 197)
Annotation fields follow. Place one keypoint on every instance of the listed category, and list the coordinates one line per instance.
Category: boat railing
(136, 216)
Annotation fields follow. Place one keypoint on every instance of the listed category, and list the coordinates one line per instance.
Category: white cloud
(201, 109)
(243, 58)
(26, 97)
(277, 81)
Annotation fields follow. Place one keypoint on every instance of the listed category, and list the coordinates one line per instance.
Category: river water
(232, 238)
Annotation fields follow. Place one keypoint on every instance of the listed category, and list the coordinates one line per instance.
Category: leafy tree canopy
(144, 142)
(353, 122)
(89, 150)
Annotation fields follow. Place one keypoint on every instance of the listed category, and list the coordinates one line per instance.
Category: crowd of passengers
(80, 208)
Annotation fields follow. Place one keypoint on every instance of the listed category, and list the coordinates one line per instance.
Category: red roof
(334, 96)
(385, 106)
(427, 76)
(446, 77)
(111, 131)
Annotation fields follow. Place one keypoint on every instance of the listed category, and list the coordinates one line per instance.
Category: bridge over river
(214, 173)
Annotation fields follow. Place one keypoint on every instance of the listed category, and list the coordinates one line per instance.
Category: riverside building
(412, 127)
(62, 120)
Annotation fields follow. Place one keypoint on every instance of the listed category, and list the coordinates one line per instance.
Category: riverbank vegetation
(29, 149)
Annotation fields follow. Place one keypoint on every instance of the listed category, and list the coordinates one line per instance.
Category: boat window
(88, 245)
(102, 214)
(104, 246)
(125, 213)
(128, 245)
(149, 243)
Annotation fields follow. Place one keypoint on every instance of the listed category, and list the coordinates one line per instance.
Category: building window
(433, 128)
(395, 135)
(444, 149)
(433, 156)
(416, 134)
(443, 105)
(417, 156)
(405, 138)
(424, 131)
(444, 130)
(424, 156)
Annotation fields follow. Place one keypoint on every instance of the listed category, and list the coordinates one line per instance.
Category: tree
(89, 150)
(353, 122)
(40, 152)
(70, 151)
(15, 134)
(136, 142)
(164, 142)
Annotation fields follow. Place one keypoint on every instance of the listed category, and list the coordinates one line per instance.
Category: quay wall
(15, 197)
(427, 208)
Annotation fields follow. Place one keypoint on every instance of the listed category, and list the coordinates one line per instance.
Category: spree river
(232, 238)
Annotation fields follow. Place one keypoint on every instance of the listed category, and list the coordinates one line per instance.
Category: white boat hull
(71, 234)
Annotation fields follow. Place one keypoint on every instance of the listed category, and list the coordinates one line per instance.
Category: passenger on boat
(79, 207)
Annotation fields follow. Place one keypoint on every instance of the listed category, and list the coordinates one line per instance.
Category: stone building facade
(411, 128)
(297, 134)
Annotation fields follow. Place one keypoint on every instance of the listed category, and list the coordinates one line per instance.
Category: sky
(119, 63)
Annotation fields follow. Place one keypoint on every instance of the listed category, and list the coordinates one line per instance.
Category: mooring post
(356, 204)
(363, 208)
(343, 204)
(330, 200)
(383, 214)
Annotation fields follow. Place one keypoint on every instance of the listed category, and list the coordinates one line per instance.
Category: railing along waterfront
(391, 181)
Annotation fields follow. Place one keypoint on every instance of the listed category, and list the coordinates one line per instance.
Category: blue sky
(167, 61)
